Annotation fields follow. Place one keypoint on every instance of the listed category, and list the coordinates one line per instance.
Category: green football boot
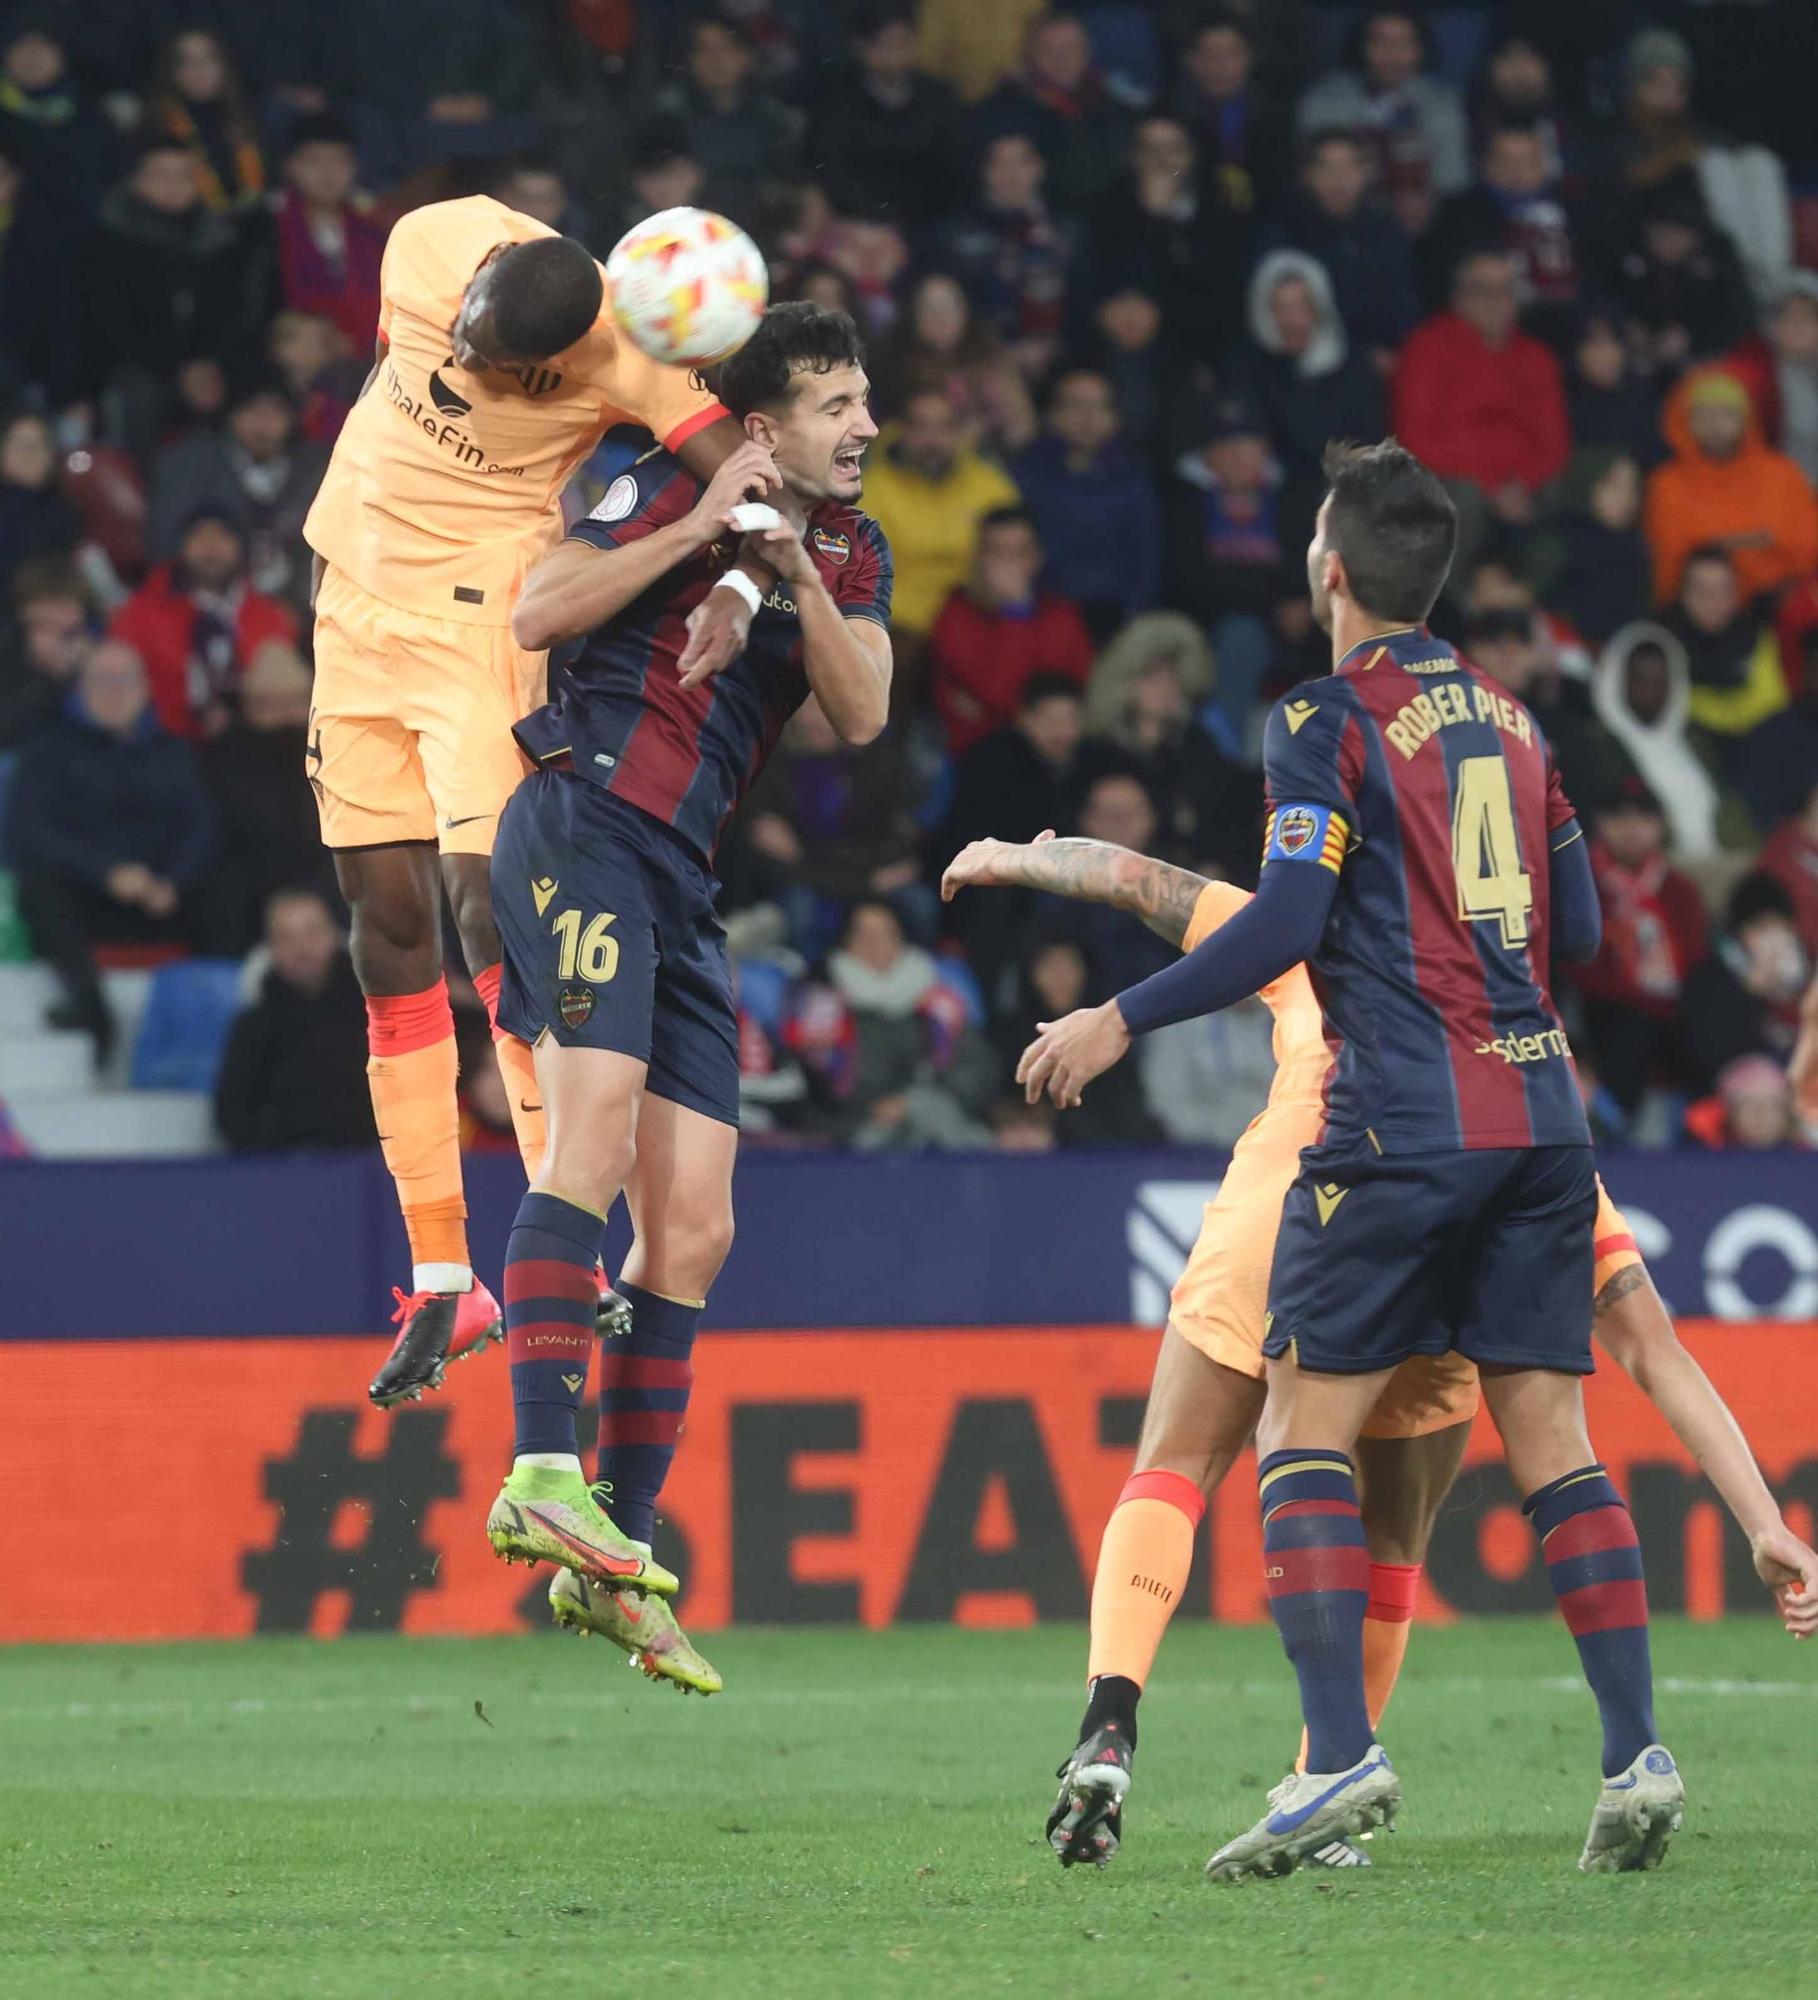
(643, 1627)
(542, 1515)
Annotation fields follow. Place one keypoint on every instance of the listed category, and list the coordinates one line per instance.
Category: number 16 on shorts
(587, 955)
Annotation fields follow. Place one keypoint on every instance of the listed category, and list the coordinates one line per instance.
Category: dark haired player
(1422, 859)
(615, 961)
(1209, 1372)
(498, 366)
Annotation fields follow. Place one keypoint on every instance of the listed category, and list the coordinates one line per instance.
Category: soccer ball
(687, 286)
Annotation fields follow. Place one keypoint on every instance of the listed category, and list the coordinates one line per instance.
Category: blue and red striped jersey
(687, 756)
(1430, 792)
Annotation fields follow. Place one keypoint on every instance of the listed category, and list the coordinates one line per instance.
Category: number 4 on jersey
(1486, 856)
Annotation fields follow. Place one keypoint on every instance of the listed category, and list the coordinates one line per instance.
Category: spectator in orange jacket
(1482, 403)
(1724, 485)
(196, 623)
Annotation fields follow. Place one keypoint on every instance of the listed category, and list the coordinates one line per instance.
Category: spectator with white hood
(1641, 691)
(1300, 369)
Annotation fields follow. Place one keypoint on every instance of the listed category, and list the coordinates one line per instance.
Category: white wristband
(736, 579)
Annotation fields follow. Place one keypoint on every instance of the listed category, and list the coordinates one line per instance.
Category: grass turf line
(861, 1815)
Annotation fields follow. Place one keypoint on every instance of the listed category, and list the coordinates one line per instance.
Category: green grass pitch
(861, 1815)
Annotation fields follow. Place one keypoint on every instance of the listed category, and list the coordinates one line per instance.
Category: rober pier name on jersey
(1432, 708)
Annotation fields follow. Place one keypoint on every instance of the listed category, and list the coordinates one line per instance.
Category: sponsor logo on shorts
(1326, 1200)
(1527, 1048)
(541, 890)
(620, 499)
(576, 1004)
(836, 548)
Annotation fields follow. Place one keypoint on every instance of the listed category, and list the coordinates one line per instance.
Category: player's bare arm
(721, 623)
(577, 587)
(848, 660)
(1634, 1329)
(1087, 871)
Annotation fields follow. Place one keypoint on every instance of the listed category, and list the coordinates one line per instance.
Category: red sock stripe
(640, 1427)
(550, 1278)
(486, 985)
(398, 1023)
(1605, 1607)
(1290, 1508)
(1293, 1572)
(1393, 1589)
(1590, 1533)
(646, 1371)
(1173, 1487)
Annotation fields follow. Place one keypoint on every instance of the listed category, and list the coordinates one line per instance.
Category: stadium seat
(116, 1125)
(763, 992)
(181, 1039)
(956, 974)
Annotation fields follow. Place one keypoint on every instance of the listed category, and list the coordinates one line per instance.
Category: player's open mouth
(849, 462)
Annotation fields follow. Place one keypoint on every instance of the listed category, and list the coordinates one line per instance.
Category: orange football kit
(444, 489)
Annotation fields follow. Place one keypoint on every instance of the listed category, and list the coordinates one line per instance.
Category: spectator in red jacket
(1482, 403)
(329, 246)
(196, 623)
(1653, 935)
(997, 629)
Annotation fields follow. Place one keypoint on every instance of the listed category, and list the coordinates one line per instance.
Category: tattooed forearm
(1093, 871)
(1630, 1279)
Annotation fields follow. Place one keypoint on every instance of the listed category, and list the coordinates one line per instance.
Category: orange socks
(1142, 1570)
(1393, 1589)
(518, 1067)
(412, 1071)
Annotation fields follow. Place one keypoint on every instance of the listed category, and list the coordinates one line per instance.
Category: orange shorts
(1222, 1296)
(410, 724)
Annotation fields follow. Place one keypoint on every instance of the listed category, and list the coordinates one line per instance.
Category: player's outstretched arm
(1088, 871)
(1633, 1326)
(578, 585)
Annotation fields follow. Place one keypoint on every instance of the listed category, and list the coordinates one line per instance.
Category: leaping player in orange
(1208, 1388)
(497, 369)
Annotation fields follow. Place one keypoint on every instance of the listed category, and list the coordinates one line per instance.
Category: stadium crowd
(1124, 269)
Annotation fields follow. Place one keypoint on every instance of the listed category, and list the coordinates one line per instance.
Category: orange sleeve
(1218, 903)
(1666, 533)
(669, 402)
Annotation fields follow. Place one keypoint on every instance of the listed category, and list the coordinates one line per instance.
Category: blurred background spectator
(1125, 271)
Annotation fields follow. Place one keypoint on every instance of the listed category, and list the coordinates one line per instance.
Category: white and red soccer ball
(688, 287)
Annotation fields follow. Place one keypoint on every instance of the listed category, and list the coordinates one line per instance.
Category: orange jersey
(1302, 1057)
(445, 487)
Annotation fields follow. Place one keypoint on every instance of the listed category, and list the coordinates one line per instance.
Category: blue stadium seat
(956, 974)
(763, 992)
(183, 1034)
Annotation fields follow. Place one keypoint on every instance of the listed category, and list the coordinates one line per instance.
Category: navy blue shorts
(1490, 1253)
(611, 941)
